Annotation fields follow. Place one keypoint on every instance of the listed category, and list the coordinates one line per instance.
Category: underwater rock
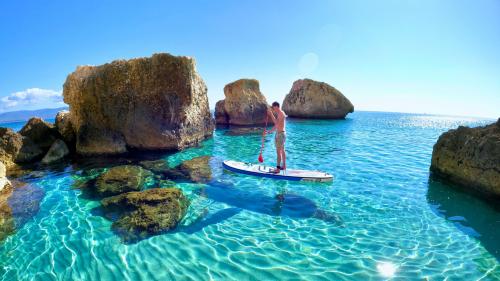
(145, 213)
(313, 99)
(155, 103)
(42, 133)
(242, 131)
(15, 148)
(244, 104)
(18, 204)
(121, 179)
(470, 157)
(197, 169)
(57, 151)
(65, 128)
(156, 166)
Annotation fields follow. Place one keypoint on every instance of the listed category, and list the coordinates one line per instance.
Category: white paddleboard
(268, 172)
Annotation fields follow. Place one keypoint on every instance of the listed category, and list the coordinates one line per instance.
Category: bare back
(280, 121)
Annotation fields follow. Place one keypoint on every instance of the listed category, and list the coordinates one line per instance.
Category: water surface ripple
(381, 218)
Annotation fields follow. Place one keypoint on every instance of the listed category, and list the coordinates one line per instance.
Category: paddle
(261, 159)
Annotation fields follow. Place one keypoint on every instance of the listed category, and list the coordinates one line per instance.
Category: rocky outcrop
(16, 148)
(313, 99)
(156, 103)
(244, 104)
(145, 213)
(64, 127)
(42, 133)
(57, 151)
(121, 179)
(470, 157)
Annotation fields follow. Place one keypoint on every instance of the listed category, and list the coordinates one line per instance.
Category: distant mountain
(24, 115)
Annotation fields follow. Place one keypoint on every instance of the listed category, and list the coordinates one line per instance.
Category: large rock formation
(145, 103)
(244, 104)
(16, 148)
(145, 213)
(313, 99)
(470, 157)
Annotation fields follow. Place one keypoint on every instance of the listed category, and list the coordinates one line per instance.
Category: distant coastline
(25, 115)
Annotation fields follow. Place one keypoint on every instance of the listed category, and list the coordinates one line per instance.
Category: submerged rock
(18, 204)
(57, 151)
(15, 148)
(65, 128)
(145, 213)
(313, 99)
(243, 131)
(121, 179)
(470, 157)
(155, 103)
(244, 104)
(42, 133)
(197, 169)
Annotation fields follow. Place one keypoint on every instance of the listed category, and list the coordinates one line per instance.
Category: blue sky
(439, 57)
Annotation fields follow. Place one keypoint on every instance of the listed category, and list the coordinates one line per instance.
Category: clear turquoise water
(16, 126)
(388, 220)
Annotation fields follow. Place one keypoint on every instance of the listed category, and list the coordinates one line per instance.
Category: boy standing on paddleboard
(278, 117)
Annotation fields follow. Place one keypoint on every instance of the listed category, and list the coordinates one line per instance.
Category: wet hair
(277, 104)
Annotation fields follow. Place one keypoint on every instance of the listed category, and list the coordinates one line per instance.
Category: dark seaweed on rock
(138, 215)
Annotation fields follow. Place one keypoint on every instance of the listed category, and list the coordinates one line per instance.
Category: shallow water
(382, 217)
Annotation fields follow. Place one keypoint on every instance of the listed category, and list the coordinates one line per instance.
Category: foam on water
(386, 219)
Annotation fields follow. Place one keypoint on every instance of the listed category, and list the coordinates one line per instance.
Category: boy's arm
(270, 114)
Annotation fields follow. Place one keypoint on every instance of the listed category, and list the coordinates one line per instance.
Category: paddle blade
(261, 159)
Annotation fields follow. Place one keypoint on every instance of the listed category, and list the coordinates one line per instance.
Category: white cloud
(33, 98)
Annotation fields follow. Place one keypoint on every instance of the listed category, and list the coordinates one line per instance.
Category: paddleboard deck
(268, 172)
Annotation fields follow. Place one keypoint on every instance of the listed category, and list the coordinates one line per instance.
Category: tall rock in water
(244, 104)
(156, 103)
(470, 157)
(313, 99)
(64, 127)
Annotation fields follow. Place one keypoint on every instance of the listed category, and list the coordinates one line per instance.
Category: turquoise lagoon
(386, 219)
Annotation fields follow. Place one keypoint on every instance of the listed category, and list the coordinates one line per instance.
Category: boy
(279, 127)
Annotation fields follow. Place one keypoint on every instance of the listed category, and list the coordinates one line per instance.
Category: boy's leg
(278, 154)
(283, 157)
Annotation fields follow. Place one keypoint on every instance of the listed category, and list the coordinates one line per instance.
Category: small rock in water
(42, 133)
(121, 179)
(197, 169)
(57, 151)
(145, 213)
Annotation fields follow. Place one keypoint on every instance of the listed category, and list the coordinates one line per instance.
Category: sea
(383, 217)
